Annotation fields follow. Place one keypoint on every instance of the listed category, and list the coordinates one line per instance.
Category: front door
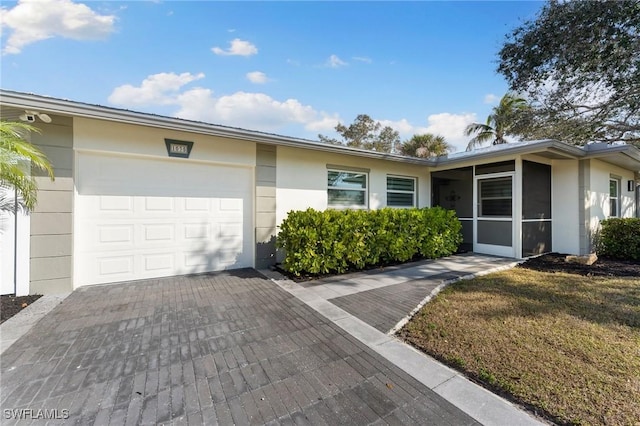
(493, 217)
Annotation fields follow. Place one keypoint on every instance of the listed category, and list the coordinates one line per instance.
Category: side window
(401, 191)
(614, 197)
(495, 197)
(347, 189)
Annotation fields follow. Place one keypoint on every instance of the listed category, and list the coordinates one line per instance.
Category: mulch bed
(11, 305)
(552, 262)
(603, 267)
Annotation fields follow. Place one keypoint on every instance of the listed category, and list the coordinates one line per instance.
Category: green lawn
(565, 345)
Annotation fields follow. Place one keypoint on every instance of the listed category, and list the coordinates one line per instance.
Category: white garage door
(141, 218)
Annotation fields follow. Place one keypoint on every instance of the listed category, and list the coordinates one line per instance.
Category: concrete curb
(20, 324)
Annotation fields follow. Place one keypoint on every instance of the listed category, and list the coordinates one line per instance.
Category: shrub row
(322, 242)
(619, 238)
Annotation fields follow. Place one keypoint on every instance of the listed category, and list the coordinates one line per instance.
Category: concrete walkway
(18, 325)
(233, 347)
(372, 305)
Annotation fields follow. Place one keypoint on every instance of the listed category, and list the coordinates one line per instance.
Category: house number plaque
(177, 148)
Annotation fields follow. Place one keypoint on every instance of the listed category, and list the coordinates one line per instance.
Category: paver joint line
(493, 402)
(229, 347)
(441, 287)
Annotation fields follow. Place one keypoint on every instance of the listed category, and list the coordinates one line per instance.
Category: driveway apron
(223, 348)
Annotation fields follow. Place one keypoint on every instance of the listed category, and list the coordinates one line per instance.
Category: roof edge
(599, 150)
(86, 110)
(529, 148)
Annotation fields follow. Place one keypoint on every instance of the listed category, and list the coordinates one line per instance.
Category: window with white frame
(401, 191)
(614, 197)
(495, 197)
(347, 189)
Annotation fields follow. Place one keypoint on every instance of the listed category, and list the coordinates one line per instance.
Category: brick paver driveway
(219, 348)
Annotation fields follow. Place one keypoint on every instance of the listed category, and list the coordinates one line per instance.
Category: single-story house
(140, 196)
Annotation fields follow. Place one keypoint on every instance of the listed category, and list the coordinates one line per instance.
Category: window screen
(401, 191)
(495, 197)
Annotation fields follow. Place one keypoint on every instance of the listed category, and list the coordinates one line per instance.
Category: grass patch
(567, 346)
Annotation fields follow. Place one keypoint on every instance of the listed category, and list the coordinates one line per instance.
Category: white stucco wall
(301, 179)
(565, 200)
(105, 136)
(601, 172)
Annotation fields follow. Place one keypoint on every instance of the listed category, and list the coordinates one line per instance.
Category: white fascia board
(626, 156)
(516, 149)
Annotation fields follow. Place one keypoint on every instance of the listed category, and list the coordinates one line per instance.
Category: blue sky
(292, 68)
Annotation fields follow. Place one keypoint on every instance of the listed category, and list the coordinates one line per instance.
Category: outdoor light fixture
(30, 117)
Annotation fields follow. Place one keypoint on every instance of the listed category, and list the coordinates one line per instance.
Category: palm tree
(17, 158)
(425, 146)
(500, 123)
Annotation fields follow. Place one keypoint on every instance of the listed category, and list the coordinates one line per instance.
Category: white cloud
(259, 111)
(335, 62)
(490, 99)
(325, 123)
(255, 111)
(237, 47)
(451, 126)
(293, 62)
(403, 127)
(248, 110)
(158, 89)
(34, 20)
(362, 59)
(257, 77)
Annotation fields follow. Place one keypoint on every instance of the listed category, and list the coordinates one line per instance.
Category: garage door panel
(196, 205)
(198, 231)
(114, 266)
(164, 204)
(128, 227)
(114, 235)
(231, 230)
(159, 262)
(159, 232)
(115, 204)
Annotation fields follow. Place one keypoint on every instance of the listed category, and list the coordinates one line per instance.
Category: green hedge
(322, 242)
(619, 238)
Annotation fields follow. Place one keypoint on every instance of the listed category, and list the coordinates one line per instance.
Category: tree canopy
(579, 62)
(505, 119)
(425, 146)
(365, 133)
(17, 159)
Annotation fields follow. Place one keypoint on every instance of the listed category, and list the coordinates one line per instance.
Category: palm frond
(477, 128)
(9, 202)
(18, 157)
